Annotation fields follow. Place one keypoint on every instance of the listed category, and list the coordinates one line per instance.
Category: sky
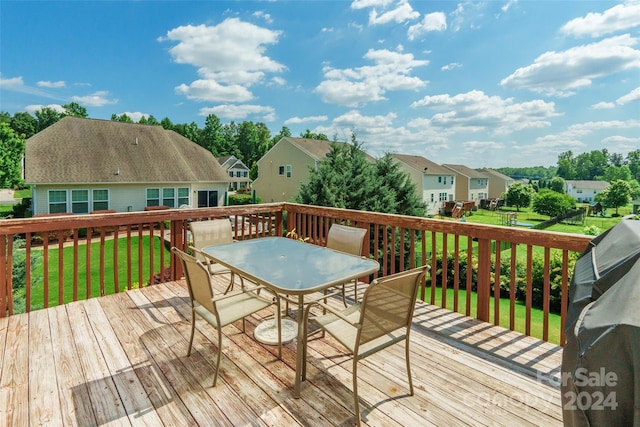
(484, 84)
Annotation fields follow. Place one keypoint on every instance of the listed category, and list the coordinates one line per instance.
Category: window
(245, 174)
(432, 197)
(442, 197)
(439, 180)
(288, 171)
(80, 201)
(183, 196)
(445, 181)
(169, 197)
(153, 197)
(231, 174)
(100, 200)
(281, 170)
(57, 201)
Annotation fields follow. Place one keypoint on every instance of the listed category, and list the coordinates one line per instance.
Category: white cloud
(11, 83)
(297, 120)
(354, 86)
(96, 99)
(230, 58)
(236, 112)
(278, 81)
(33, 108)
(212, 91)
(451, 66)
(603, 106)
(267, 17)
(507, 6)
(561, 73)
(619, 18)
(436, 21)
(363, 4)
(475, 111)
(402, 12)
(51, 85)
(632, 96)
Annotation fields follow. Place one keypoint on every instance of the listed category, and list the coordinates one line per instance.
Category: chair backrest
(346, 239)
(210, 232)
(388, 303)
(198, 279)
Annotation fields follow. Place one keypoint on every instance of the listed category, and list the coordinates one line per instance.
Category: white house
(585, 191)
(238, 172)
(82, 165)
(434, 183)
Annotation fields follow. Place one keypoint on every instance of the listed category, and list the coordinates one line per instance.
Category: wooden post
(484, 279)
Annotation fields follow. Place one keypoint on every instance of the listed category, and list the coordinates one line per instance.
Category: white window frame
(95, 199)
(289, 171)
(64, 203)
(75, 204)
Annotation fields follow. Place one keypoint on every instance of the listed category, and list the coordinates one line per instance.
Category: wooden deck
(121, 360)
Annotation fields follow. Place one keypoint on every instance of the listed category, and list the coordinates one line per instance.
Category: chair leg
(230, 287)
(279, 320)
(406, 346)
(356, 404)
(215, 375)
(193, 330)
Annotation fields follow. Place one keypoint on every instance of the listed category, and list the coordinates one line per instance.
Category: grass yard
(96, 288)
(520, 313)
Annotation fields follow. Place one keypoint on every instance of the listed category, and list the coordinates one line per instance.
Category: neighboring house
(471, 185)
(285, 167)
(434, 183)
(498, 183)
(82, 165)
(237, 171)
(585, 191)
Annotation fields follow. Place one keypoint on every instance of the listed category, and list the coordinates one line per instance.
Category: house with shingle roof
(238, 172)
(471, 185)
(498, 182)
(80, 165)
(585, 191)
(435, 184)
(285, 167)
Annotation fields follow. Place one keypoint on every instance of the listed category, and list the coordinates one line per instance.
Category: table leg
(300, 348)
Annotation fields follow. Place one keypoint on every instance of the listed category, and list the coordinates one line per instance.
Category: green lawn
(96, 288)
(520, 313)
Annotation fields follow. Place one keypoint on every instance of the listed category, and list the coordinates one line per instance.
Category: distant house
(285, 167)
(585, 191)
(238, 172)
(471, 185)
(82, 165)
(434, 183)
(498, 183)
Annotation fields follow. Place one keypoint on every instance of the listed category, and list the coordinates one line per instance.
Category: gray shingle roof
(420, 163)
(77, 150)
(316, 148)
(465, 170)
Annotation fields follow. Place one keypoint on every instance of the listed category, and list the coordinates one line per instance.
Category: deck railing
(124, 250)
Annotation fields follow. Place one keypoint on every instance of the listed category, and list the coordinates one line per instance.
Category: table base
(267, 331)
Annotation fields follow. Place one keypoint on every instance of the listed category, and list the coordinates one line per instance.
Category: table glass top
(290, 265)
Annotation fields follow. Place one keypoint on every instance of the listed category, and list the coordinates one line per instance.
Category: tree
(618, 194)
(283, 133)
(24, 124)
(75, 109)
(124, 118)
(310, 135)
(519, 195)
(614, 173)
(11, 152)
(557, 184)
(633, 160)
(345, 178)
(566, 165)
(551, 203)
(47, 116)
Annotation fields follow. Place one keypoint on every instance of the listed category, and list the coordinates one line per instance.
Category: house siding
(270, 186)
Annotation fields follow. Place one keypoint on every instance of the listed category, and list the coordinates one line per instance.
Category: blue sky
(484, 84)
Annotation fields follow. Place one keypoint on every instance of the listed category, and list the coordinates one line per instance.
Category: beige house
(435, 184)
(283, 169)
(82, 165)
(471, 185)
(498, 182)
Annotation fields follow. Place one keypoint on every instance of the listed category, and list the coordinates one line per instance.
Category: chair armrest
(337, 313)
(233, 294)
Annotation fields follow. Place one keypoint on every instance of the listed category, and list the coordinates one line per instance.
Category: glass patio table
(290, 267)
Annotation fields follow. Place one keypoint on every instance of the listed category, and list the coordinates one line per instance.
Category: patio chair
(222, 310)
(350, 240)
(209, 233)
(382, 319)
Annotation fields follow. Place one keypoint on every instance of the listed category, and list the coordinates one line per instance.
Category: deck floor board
(121, 360)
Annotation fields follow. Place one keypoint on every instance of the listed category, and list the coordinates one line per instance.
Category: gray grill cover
(601, 359)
